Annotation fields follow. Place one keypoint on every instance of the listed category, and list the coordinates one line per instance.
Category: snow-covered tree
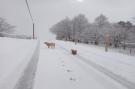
(88, 35)
(62, 29)
(102, 25)
(79, 29)
(101, 20)
(5, 27)
(79, 23)
(126, 26)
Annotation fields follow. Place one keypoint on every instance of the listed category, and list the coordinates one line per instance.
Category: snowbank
(18, 61)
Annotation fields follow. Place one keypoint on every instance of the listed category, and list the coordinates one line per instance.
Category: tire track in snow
(121, 80)
(110, 57)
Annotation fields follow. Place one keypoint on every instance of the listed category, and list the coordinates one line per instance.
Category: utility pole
(33, 24)
(33, 31)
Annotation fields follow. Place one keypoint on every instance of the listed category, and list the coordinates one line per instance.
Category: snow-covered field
(17, 57)
(92, 68)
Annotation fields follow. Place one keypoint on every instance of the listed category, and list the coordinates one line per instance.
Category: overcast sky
(48, 12)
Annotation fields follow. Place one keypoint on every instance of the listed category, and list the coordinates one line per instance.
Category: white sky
(48, 12)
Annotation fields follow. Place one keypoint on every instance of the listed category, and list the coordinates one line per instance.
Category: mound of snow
(15, 55)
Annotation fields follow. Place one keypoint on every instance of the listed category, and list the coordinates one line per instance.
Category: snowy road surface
(92, 68)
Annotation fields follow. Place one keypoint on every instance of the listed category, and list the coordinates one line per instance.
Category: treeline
(79, 29)
(5, 27)
(7, 30)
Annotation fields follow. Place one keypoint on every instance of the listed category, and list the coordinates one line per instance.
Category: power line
(29, 10)
(33, 24)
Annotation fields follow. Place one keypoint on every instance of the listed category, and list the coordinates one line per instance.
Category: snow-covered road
(92, 59)
(90, 69)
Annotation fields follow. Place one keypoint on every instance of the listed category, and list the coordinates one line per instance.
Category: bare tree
(101, 21)
(88, 35)
(79, 23)
(5, 27)
(80, 30)
(62, 29)
(125, 31)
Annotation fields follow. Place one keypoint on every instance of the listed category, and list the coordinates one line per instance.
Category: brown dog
(73, 51)
(50, 45)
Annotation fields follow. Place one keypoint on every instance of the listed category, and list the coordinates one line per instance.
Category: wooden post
(106, 42)
(130, 50)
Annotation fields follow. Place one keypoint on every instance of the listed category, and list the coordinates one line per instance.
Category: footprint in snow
(72, 79)
(63, 65)
(62, 61)
(69, 70)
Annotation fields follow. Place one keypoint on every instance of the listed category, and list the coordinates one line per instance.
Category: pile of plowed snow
(15, 55)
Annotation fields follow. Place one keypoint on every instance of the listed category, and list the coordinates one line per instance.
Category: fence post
(106, 42)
